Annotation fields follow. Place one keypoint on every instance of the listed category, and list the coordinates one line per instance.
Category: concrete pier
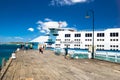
(32, 65)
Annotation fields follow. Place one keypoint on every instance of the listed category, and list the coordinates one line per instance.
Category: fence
(112, 56)
(108, 56)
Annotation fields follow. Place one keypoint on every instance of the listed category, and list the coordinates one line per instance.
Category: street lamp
(88, 16)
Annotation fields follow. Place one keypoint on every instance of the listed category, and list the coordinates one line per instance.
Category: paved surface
(32, 65)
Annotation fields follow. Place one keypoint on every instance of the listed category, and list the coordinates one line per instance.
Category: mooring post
(3, 62)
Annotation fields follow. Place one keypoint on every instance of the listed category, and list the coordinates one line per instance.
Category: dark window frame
(100, 34)
(67, 35)
(88, 34)
(114, 34)
(77, 35)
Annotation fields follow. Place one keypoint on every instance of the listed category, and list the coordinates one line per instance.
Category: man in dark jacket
(66, 51)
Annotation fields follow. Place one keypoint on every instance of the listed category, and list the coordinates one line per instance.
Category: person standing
(26, 46)
(66, 52)
(31, 46)
(40, 48)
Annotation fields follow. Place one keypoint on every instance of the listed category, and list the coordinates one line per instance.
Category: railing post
(115, 57)
(106, 55)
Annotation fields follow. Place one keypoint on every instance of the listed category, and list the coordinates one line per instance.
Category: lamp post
(88, 16)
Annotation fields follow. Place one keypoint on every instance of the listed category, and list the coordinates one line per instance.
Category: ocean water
(6, 50)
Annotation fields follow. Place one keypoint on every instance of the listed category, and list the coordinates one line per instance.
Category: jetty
(32, 65)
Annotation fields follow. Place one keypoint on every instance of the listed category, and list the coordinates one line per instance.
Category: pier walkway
(31, 65)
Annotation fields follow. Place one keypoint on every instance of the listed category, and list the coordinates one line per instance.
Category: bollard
(89, 55)
(13, 56)
(76, 57)
(106, 55)
(3, 62)
(116, 57)
(18, 49)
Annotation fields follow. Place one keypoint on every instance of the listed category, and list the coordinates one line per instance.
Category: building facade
(108, 39)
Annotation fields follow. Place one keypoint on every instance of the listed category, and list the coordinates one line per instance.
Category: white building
(40, 39)
(108, 39)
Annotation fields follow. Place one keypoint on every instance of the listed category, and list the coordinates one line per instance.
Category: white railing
(115, 56)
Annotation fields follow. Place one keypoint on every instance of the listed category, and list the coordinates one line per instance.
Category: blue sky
(24, 20)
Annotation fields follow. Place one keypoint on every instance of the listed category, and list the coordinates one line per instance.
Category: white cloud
(42, 31)
(63, 23)
(39, 22)
(47, 19)
(68, 2)
(78, 1)
(19, 38)
(44, 26)
(31, 29)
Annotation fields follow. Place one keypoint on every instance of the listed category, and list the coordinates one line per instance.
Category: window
(114, 46)
(57, 44)
(67, 35)
(58, 39)
(113, 39)
(117, 46)
(100, 39)
(88, 39)
(77, 35)
(114, 34)
(100, 34)
(88, 35)
(67, 39)
(100, 45)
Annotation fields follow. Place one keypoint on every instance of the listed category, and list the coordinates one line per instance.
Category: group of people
(41, 48)
(26, 46)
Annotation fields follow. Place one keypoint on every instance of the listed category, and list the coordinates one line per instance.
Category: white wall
(82, 43)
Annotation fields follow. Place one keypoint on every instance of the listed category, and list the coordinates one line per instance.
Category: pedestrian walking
(66, 52)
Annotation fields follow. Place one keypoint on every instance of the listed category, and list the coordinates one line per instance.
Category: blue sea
(6, 50)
